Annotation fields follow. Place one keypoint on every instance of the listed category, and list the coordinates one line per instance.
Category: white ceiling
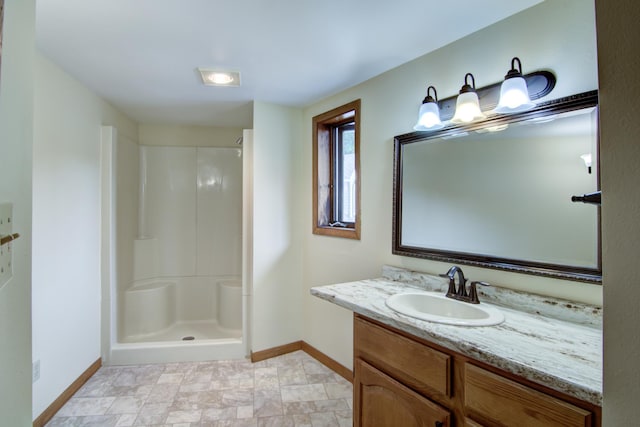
(141, 55)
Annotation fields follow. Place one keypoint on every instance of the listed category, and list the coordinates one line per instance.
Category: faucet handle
(473, 292)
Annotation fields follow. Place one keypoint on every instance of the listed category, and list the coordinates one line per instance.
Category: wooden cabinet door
(381, 401)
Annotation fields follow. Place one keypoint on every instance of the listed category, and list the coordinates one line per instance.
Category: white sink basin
(437, 308)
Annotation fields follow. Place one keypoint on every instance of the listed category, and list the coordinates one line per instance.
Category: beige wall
(619, 67)
(276, 265)
(16, 137)
(66, 227)
(555, 35)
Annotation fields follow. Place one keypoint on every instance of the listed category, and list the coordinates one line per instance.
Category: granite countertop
(551, 342)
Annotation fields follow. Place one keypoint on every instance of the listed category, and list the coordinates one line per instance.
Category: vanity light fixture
(586, 158)
(467, 104)
(514, 95)
(429, 115)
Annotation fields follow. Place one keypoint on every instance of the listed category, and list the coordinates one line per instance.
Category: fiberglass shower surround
(188, 254)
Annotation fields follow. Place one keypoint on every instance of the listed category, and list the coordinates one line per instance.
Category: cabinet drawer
(505, 402)
(416, 365)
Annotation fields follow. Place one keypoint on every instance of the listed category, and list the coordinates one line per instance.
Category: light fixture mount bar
(539, 84)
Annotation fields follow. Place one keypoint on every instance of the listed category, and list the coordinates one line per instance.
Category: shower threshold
(187, 332)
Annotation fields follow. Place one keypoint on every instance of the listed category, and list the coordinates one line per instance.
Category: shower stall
(175, 291)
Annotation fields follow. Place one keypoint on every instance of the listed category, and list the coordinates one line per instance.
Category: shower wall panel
(169, 206)
(219, 212)
(128, 174)
(192, 203)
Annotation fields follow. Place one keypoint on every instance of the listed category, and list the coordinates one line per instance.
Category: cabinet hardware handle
(439, 424)
(8, 238)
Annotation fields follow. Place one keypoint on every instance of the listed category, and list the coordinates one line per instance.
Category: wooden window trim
(322, 125)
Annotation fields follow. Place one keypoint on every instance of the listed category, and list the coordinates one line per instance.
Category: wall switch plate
(6, 227)
(35, 371)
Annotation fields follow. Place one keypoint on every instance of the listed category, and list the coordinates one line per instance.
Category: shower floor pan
(210, 342)
(187, 331)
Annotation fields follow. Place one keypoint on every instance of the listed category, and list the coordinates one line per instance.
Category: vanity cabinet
(401, 380)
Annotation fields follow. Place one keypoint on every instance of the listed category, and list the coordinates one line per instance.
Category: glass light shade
(429, 117)
(212, 77)
(514, 96)
(467, 108)
(220, 78)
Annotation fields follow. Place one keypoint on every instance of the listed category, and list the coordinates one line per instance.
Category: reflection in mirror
(499, 195)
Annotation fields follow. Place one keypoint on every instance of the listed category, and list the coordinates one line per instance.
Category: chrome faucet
(460, 292)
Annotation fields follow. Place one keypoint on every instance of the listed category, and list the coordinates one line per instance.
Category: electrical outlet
(35, 372)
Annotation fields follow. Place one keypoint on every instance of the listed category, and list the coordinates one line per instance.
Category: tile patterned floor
(293, 390)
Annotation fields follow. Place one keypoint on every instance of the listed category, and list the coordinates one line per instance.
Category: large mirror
(498, 193)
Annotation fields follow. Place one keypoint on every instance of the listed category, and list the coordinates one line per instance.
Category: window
(336, 166)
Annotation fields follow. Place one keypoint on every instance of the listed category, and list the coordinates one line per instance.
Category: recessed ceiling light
(215, 77)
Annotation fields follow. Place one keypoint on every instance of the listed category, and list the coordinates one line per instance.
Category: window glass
(345, 171)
